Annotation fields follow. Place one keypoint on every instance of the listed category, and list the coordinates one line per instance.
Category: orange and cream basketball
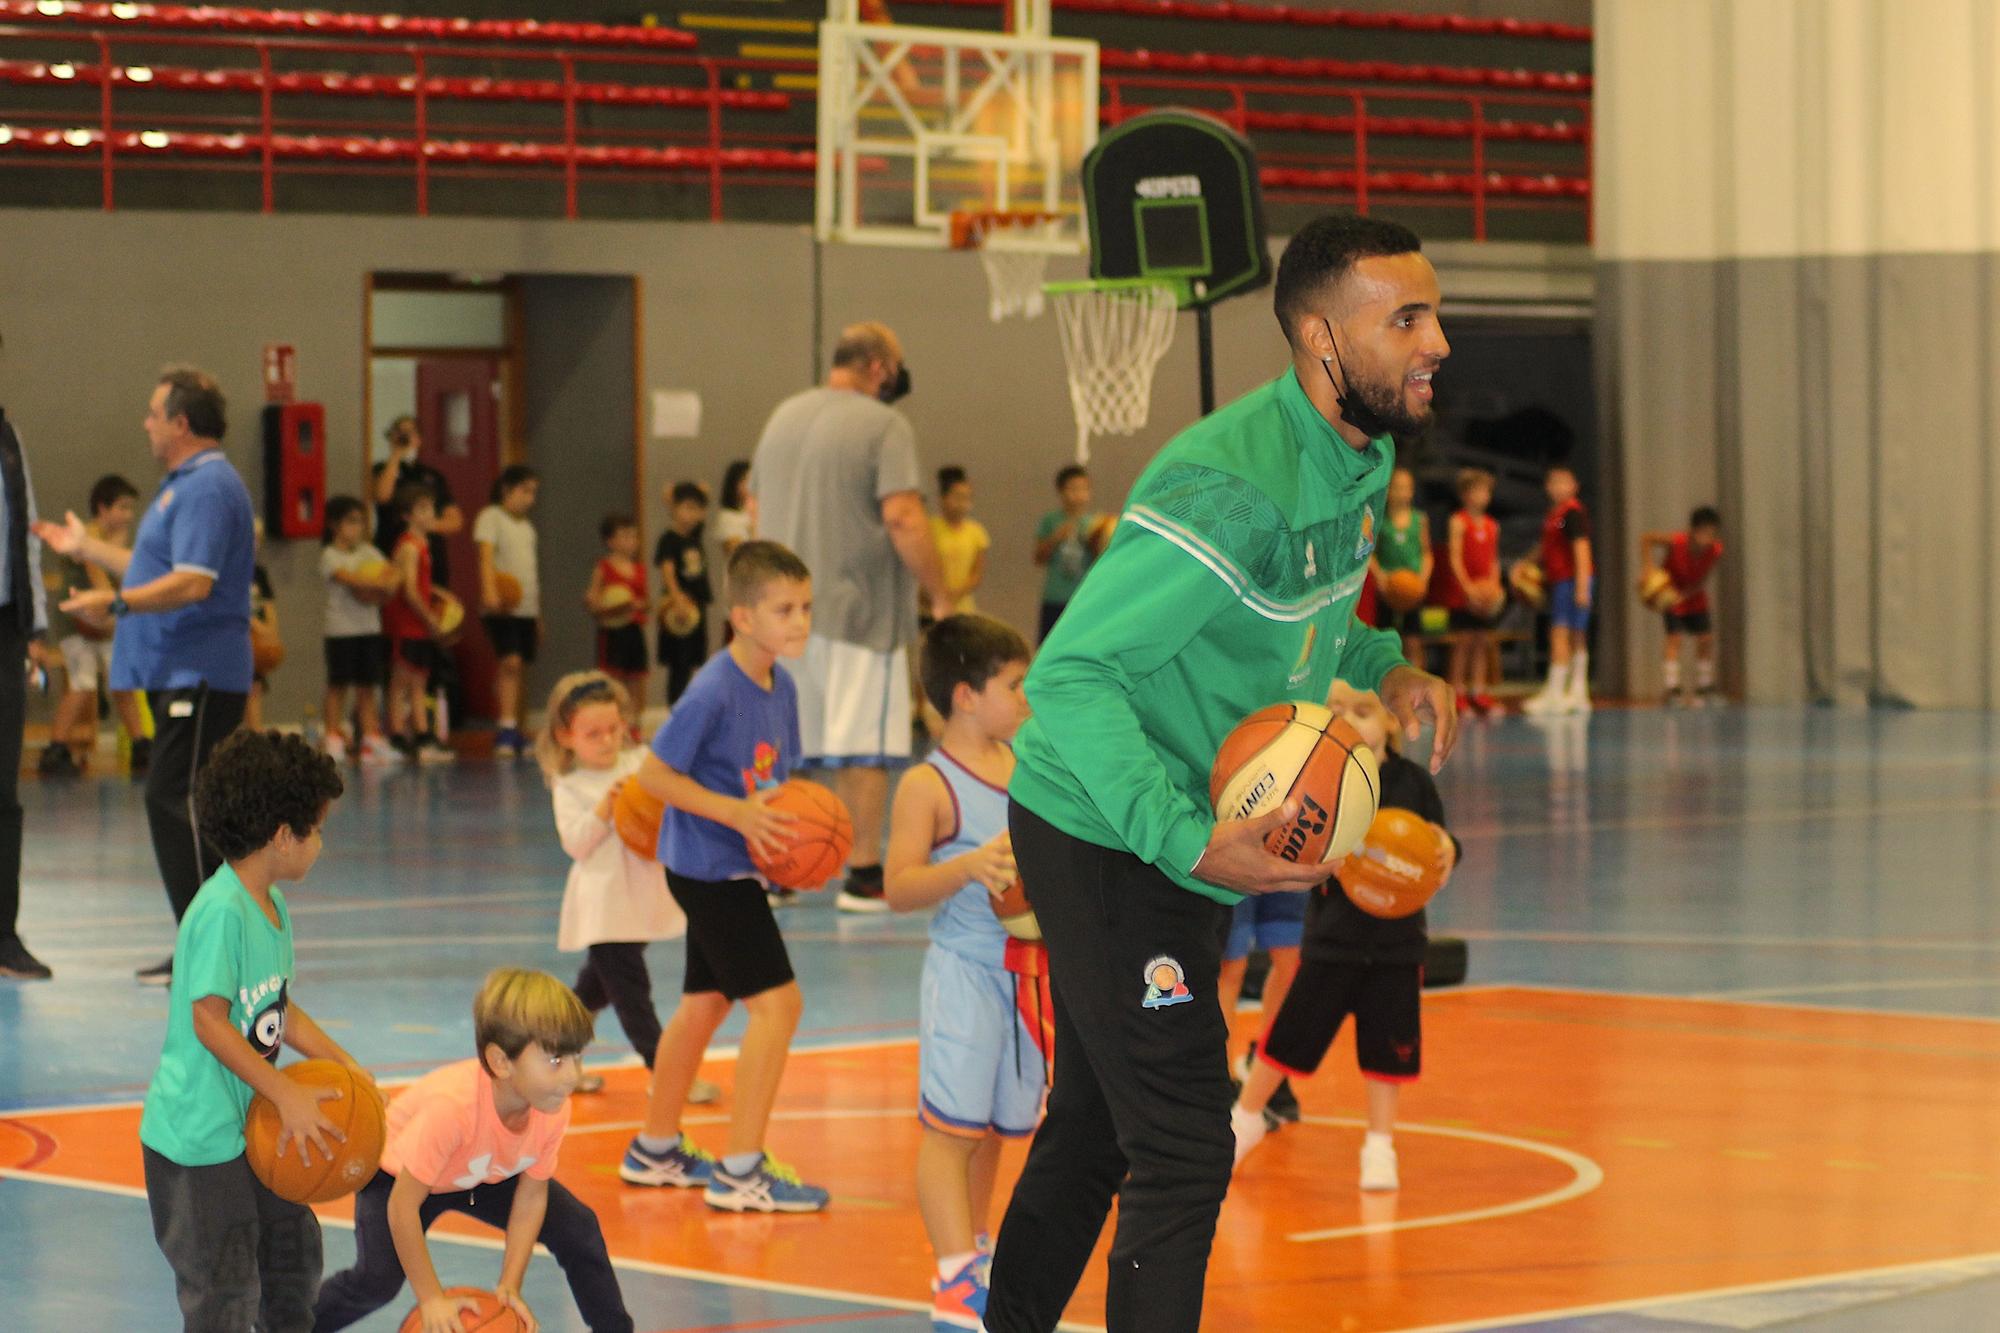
(1396, 869)
(1299, 751)
(1657, 591)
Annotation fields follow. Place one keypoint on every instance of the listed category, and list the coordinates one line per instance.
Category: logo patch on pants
(1166, 983)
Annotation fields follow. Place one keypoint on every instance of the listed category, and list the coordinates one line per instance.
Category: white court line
(1589, 1175)
(1665, 1302)
(1850, 988)
(1887, 945)
(1859, 1011)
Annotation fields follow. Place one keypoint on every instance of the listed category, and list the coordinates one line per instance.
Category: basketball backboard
(1173, 198)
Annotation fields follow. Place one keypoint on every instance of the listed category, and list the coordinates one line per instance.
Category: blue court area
(1795, 857)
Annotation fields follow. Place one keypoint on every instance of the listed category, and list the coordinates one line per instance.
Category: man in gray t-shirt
(836, 479)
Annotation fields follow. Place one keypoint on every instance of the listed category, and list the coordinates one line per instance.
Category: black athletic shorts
(418, 654)
(622, 650)
(357, 659)
(733, 944)
(1463, 619)
(1701, 622)
(1385, 999)
(512, 636)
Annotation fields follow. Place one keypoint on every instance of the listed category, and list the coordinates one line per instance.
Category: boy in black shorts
(725, 749)
(1354, 963)
(1688, 558)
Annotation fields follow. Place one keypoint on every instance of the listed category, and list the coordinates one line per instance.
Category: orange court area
(1565, 1149)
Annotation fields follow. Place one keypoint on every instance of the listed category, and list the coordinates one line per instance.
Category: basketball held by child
(816, 847)
(1657, 591)
(1397, 868)
(1405, 590)
(1530, 584)
(448, 611)
(681, 616)
(636, 814)
(488, 1315)
(506, 592)
(616, 606)
(267, 650)
(1303, 753)
(1017, 916)
(357, 1112)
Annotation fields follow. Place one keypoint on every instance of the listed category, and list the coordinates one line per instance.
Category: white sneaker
(1378, 1167)
(1250, 1130)
(336, 747)
(376, 752)
(1542, 703)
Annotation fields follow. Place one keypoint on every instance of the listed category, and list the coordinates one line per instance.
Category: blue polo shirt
(201, 521)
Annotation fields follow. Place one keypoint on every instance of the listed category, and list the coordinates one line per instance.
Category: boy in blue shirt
(242, 1257)
(982, 1073)
(731, 741)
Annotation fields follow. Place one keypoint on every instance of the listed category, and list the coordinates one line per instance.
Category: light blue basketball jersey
(964, 923)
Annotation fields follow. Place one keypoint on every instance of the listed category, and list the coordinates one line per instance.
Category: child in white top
(615, 901)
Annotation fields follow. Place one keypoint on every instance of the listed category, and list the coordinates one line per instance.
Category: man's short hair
(861, 344)
(1322, 253)
(966, 650)
(194, 394)
(258, 781)
(518, 1005)
(753, 566)
(109, 490)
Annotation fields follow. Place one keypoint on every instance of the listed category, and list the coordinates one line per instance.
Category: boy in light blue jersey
(981, 1063)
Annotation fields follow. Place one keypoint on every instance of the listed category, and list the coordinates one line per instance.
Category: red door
(458, 410)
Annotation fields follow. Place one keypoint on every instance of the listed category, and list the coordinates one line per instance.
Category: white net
(1112, 339)
(1015, 252)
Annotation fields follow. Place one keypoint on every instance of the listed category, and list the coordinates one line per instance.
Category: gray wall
(91, 304)
(577, 390)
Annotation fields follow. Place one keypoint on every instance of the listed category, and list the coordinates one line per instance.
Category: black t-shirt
(389, 524)
(690, 565)
(1575, 525)
(1337, 930)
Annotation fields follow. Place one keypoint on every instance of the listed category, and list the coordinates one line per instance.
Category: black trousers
(569, 1230)
(242, 1257)
(682, 656)
(1140, 1107)
(187, 725)
(616, 975)
(13, 716)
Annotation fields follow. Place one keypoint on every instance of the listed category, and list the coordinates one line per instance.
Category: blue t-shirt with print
(201, 521)
(733, 736)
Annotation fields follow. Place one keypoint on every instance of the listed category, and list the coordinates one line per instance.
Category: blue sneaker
(772, 1187)
(961, 1302)
(682, 1166)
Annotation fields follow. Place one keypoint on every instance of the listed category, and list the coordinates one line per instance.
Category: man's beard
(1385, 410)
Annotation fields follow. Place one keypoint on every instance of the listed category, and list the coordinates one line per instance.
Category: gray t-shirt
(827, 460)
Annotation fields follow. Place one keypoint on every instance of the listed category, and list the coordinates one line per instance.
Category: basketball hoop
(1114, 332)
(1014, 248)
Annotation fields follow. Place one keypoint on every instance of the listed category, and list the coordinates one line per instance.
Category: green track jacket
(1229, 586)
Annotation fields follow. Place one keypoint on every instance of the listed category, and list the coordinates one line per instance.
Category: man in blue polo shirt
(183, 608)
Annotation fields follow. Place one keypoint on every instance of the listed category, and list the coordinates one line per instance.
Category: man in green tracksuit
(1230, 586)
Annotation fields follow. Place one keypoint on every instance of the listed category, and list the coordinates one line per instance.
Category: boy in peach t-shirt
(480, 1137)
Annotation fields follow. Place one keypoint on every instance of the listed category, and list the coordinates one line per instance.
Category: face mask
(897, 386)
(1353, 410)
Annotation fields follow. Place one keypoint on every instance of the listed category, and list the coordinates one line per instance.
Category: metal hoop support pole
(1205, 344)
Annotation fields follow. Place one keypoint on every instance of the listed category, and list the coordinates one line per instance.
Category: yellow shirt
(958, 550)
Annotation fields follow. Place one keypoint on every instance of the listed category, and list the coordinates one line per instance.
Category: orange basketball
(820, 840)
(1656, 590)
(1530, 584)
(490, 1317)
(1486, 599)
(1395, 870)
(357, 1112)
(1302, 751)
(448, 611)
(1405, 590)
(1017, 917)
(267, 650)
(637, 815)
(506, 591)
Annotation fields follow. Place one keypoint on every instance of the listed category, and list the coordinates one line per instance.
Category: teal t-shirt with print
(228, 947)
(1071, 561)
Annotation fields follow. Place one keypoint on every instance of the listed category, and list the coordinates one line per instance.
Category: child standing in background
(1688, 558)
(684, 588)
(1572, 580)
(732, 514)
(85, 642)
(1476, 598)
(410, 625)
(961, 539)
(358, 581)
(1403, 546)
(621, 649)
(507, 545)
(615, 901)
(1067, 543)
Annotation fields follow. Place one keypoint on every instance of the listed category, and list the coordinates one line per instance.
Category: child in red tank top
(1569, 568)
(1688, 558)
(1472, 589)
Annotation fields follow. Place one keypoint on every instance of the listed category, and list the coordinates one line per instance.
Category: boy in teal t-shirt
(242, 1257)
(1068, 542)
